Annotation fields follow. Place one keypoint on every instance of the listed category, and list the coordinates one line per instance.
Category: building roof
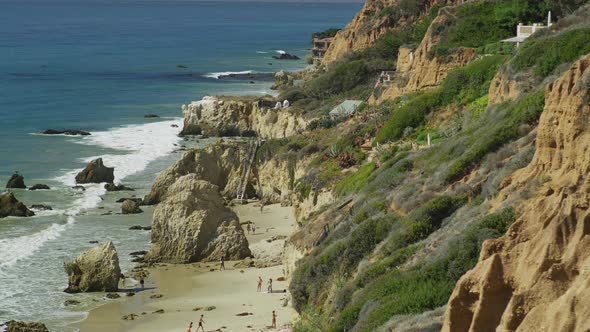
(347, 107)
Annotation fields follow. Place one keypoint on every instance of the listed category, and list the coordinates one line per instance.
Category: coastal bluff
(192, 224)
(537, 274)
(240, 116)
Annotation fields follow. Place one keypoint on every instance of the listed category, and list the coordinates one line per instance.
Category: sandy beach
(228, 299)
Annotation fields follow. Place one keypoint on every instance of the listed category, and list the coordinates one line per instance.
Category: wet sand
(188, 291)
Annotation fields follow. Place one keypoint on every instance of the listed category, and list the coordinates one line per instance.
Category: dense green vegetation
(463, 85)
(565, 47)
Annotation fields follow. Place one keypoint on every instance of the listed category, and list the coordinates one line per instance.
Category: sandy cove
(185, 288)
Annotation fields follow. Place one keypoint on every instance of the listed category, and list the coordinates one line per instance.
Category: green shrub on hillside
(462, 85)
(546, 53)
(355, 181)
(526, 111)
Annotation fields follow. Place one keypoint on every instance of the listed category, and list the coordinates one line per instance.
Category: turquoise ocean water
(100, 65)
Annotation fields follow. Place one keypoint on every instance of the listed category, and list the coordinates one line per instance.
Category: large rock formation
(14, 326)
(536, 276)
(94, 270)
(96, 172)
(243, 116)
(192, 224)
(16, 181)
(418, 69)
(221, 164)
(10, 206)
(373, 21)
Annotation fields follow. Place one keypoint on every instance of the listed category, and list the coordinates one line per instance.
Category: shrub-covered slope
(408, 219)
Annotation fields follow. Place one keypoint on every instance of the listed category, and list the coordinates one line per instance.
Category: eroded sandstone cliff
(536, 277)
(193, 224)
(244, 116)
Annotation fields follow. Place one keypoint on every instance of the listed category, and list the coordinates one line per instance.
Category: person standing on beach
(190, 327)
(269, 285)
(142, 282)
(248, 227)
(259, 288)
(222, 261)
(274, 320)
(261, 206)
(122, 280)
(201, 322)
(253, 229)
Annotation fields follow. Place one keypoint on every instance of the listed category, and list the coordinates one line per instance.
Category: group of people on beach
(201, 323)
(250, 226)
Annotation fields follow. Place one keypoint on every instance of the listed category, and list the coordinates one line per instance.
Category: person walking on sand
(259, 288)
(261, 206)
(190, 327)
(253, 229)
(201, 322)
(269, 285)
(142, 282)
(274, 320)
(248, 227)
(222, 261)
(122, 280)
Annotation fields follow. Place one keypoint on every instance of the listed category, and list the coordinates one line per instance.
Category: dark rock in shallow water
(138, 253)
(137, 200)
(174, 125)
(16, 181)
(137, 260)
(68, 132)
(10, 206)
(39, 187)
(140, 228)
(150, 116)
(41, 207)
(79, 188)
(130, 207)
(96, 172)
(286, 56)
(117, 187)
(14, 326)
(93, 241)
(112, 296)
(71, 302)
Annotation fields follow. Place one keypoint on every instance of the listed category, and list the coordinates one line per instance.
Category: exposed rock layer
(14, 326)
(536, 276)
(94, 270)
(192, 224)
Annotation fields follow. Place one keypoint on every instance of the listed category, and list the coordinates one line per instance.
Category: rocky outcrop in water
(285, 56)
(67, 132)
(14, 326)
(117, 187)
(10, 206)
(193, 224)
(96, 172)
(39, 187)
(94, 270)
(536, 276)
(41, 207)
(240, 116)
(16, 181)
(130, 206)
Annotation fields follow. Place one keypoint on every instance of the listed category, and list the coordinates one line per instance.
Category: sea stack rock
(94, 270)
(130, 206)
(14, 326)
(16, 181)
(10, 206)
(192, 224)
(117, 187)
(96, 172)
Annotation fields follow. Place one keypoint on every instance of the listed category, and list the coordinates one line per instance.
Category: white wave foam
(142, 144)
(227, 73)
(15, 249)
(281, 52)
(261, 52)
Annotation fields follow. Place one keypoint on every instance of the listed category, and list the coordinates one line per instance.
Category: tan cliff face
(537, 277)
(219, 116)
(370, 24)
(416, 70)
